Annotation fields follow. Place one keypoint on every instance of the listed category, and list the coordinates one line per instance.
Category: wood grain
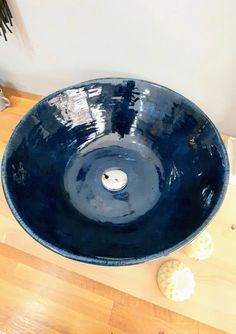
(37, 296)
(11, 92)
(214, 301)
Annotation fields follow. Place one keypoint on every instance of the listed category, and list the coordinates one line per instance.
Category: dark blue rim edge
(102, 260)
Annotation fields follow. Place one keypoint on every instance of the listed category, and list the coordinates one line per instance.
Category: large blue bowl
(60, 177)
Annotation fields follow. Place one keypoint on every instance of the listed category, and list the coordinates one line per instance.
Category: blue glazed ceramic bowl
(114, 171)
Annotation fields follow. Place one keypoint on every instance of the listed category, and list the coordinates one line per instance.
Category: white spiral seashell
(200, 248)
(175, 280)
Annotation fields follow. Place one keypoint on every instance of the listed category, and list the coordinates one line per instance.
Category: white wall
(187, 45)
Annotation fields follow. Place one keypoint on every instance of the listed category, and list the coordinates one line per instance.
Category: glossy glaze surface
(172, 154)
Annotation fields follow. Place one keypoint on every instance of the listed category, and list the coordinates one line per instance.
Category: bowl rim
(104, 261)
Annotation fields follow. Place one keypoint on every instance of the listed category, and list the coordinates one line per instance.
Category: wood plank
(216, 277)
(40, 297)
(139, 322)
(19, 306)
(9, 92)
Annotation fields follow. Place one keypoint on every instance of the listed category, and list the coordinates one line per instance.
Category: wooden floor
(39, 297)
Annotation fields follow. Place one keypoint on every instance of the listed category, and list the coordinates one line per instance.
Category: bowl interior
(114, 171)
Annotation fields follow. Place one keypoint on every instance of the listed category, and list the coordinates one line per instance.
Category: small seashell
(175, 280)
(200, 248)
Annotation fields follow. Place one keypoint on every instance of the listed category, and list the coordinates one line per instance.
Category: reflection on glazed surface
(176, 165)
(82, 180)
